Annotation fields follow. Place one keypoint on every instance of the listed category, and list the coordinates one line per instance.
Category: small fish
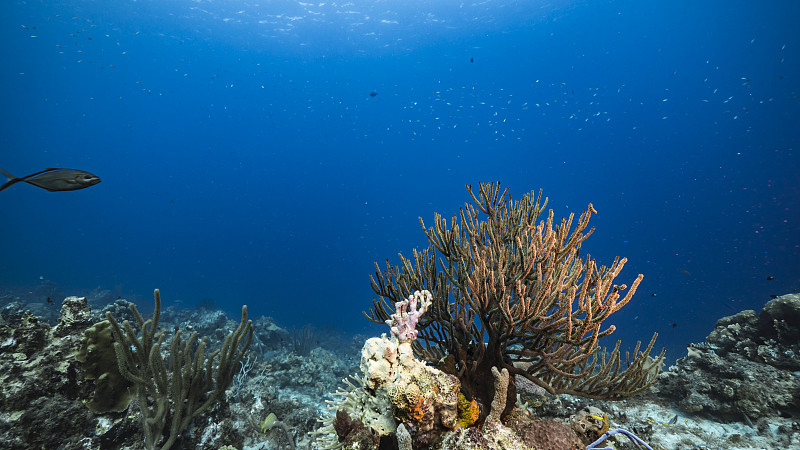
(727, 305)
(673, 421)
(747, 419)
(54, 179)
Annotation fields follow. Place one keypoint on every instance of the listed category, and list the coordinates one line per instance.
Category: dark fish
(53, 180)
(770, 278)
(373, 94)
(472, 60)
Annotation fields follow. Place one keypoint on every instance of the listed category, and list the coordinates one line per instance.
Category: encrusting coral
(511, 293)
(468, 411)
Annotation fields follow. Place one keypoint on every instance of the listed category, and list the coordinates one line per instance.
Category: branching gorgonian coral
(510, 291)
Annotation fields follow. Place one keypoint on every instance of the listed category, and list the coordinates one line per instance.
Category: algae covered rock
(40, 386)
(75, 315)
(779, 327)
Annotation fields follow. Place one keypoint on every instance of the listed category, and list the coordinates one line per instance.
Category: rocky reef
(399, 402)
(57, 392)
(747, 370)
(41, 383)
(738, 389)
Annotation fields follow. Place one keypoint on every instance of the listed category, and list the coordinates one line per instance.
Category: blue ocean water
(267, 153)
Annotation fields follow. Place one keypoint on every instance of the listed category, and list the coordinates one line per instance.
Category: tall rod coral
(510, 291)
(171, 398)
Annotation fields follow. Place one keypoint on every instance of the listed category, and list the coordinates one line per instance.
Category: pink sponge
(404, 321)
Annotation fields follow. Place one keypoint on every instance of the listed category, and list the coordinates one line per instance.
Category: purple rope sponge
(607, 434)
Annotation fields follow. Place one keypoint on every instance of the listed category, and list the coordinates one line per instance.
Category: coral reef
(112, 390)
(590, 423)
(400, 401)
(191, 385)
(743, 375)
(738, 389)
(394, 387)
(40, 381)
(510, 291)
(747, 368)
(44, 387)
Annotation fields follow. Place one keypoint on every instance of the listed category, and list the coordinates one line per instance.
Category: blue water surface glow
(245, 160)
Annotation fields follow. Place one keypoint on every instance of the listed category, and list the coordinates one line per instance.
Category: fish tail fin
(12, 180)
